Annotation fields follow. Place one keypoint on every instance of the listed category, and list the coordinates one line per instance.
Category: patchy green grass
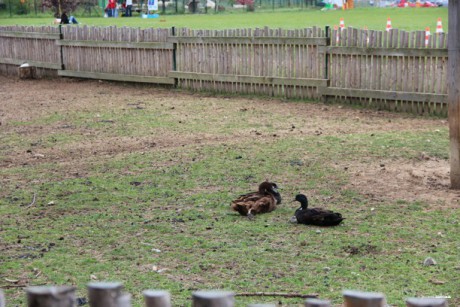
(410, 19)
(139, 192)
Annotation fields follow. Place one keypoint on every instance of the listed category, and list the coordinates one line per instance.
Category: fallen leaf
(437, 282)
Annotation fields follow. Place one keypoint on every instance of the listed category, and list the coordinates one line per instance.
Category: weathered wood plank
(34, 35)
(249, 79)
(260, 40)
(31, 63)
(115, 44)
(384, 51)
(379, 94)
(115, 77)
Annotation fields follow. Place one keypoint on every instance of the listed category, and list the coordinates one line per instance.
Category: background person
(111, 7)
(65, 20)
(129, 8)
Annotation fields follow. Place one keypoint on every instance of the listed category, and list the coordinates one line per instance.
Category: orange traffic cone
(427, 36)
(342, 24)
(389, 24)
(439, 26)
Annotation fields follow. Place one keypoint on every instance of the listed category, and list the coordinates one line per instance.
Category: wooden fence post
(174, 55)
(213, 298)
(2, 299)
(453, 92)
(157, 298)
(363, 299)
(55, 296)
(108, 294)
(313, 302)
(61, 48)
(426, 302)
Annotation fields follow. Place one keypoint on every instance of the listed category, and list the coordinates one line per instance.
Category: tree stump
(59, 296)
(157, 298)
(363, 299)
(213, 299)
(25, 71)
(108, 294)
(313, 302)
(426, 302)
(2, 299)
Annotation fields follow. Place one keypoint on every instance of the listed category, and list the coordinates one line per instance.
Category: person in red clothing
(110, 9)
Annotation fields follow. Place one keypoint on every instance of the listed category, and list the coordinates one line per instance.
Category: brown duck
(262, 201)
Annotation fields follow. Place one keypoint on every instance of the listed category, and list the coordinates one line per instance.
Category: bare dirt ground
(425, 178)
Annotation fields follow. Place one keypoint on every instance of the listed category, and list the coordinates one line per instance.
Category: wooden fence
(111, 294)
(35, 45)
(394, 70)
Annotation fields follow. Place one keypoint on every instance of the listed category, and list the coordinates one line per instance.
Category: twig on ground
(17, 286)
(277, 294)
(33, 201)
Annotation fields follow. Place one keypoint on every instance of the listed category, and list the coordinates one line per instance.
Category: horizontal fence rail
(112, 294)
(394, 69)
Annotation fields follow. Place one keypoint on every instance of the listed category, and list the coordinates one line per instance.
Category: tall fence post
(55, 296)
(108, 294)
(174, 55)
(213, 299)
(2, 299)
(157, 298)
(426, 302)
(453, 91)
(363, 299)
(61, 36)
(326, 63)
(313, 302)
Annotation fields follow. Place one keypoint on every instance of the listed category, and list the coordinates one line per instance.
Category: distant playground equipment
(337, 4)
(417, 3)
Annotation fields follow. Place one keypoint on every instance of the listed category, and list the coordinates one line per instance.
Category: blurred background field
(229, 14)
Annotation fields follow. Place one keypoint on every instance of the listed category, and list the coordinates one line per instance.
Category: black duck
(315, 216)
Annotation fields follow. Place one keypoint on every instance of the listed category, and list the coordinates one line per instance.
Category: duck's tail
(241, 209)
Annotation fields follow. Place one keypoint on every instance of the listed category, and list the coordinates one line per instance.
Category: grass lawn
(409, 19)
(133, 183)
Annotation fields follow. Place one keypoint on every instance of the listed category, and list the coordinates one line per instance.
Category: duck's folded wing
(264, 204)
(245, 202)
